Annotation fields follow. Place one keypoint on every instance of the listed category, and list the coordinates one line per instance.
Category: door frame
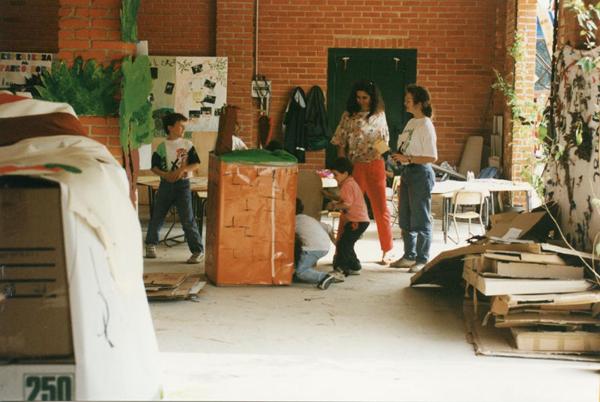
(407, 63)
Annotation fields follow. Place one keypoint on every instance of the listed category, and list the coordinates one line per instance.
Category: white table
(488, 187)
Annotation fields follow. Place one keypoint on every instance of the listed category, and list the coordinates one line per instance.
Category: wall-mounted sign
(17, 68)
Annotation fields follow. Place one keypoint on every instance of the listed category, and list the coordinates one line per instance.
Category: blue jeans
(304, 268)
(415, 211)
(177, 193)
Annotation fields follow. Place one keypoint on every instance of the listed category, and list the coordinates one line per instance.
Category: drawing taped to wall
(192, 86)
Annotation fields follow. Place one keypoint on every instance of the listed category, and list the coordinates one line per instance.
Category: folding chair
(463, 199)
(393, 197)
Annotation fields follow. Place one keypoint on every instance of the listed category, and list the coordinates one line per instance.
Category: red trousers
(371, 179)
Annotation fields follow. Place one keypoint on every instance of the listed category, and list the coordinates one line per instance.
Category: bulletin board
(16, 68)
(193, 86)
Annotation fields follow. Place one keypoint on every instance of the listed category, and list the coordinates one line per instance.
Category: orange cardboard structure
(250, 223)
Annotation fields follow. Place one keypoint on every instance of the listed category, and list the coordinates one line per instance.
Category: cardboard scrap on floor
(544, 301)
(488, 340)
(173, 286)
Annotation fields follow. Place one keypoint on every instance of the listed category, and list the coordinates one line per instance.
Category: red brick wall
(455, 39)
(519, 142)
(91, 29)
(178, 27)
(104, 130)
(29, 26)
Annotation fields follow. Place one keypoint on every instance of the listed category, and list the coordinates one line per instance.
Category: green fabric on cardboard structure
(260, 156)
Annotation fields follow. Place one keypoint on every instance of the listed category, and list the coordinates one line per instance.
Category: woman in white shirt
(417, 149)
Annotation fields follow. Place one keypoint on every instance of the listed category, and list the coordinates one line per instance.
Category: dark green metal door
(391, 70)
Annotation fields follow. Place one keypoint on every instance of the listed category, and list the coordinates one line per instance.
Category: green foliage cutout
(137, 124)
(88, 87)
(129, 10)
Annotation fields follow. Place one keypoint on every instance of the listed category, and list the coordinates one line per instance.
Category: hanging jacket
(317, 133)
(293, 125)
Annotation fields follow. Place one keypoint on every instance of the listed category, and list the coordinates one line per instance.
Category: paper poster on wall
(193, 86)
(17, 68)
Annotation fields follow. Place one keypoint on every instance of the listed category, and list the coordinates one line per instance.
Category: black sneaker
(326, 282)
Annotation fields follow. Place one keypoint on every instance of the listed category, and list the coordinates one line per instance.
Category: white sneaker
(403, 263)
(337, 276)
(195, 258)
(150, 251)
(417, 267)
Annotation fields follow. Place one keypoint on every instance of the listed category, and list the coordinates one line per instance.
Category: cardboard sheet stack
(543, 299)
(172, 286)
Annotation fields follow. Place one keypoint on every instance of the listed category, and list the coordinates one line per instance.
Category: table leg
(528, 202)
(445, 218)
(151, 200)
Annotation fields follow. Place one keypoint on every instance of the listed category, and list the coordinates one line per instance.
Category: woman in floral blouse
(362, 130)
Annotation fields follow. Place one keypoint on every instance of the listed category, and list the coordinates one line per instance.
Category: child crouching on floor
(354, 219)
(312, 242)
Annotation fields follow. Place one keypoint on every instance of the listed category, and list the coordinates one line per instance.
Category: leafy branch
(587, 18)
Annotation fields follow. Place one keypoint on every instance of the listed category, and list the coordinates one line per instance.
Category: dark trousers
(345, 256)
(180, 194)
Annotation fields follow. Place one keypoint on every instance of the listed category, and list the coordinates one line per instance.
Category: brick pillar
(519, 143)
(235, 40)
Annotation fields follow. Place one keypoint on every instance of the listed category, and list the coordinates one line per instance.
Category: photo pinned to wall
(22, 71)
(197, 69)
(195, 114)
(154, 72)
(169, 88)
(206, 111)
(209, 99)
(209, 84)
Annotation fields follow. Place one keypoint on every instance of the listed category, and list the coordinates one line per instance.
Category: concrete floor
(369, 338)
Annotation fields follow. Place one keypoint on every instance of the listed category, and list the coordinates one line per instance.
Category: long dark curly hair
(376, 106)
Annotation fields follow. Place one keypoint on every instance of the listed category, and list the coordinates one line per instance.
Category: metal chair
(463, 199)
(393, 197)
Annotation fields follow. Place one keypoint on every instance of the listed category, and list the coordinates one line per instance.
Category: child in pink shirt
(353, 221)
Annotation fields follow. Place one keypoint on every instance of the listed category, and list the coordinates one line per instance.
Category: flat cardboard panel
(491, 341)
(547, 271)
(523, 222)
(502, 286)
(250, 223)
(526, 257)
(35, 317)
(447, 268)
(502, 304)
(524, 319)
(531, 339)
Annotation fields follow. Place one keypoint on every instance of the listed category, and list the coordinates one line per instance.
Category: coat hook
(345, 60)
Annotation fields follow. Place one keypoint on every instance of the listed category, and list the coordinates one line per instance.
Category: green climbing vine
(129, 11)
(588, 17)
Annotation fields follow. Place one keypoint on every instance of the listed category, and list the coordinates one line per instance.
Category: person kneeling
(312, 243)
